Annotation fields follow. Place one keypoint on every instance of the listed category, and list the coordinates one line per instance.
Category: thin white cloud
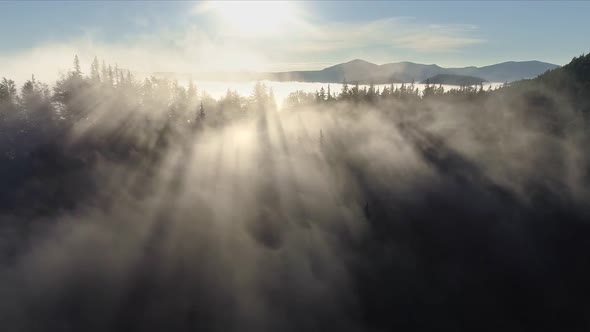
(316, 36)
(428, 42)
(400, 33)
(305, 44)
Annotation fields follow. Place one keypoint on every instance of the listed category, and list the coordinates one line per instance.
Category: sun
(254, 18)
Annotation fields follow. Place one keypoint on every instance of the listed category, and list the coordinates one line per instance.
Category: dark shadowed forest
(131, 204)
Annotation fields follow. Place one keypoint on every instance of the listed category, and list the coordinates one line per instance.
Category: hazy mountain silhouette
(362, 71)
(506, 71)
(355, 70)
(365, 72)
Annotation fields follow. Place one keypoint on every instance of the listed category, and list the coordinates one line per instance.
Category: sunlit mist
(274, 166)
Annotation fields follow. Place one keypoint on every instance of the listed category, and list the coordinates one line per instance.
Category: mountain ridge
(362, 71)
(365, 72)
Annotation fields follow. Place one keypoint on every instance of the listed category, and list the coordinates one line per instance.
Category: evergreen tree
(7, 91)
(117, 80)
(147, 93)
(192, 90)
(111, 76)
(259, 98)
(129, 78)
(77, 71)
(94, 71)
(8, 107)
(344, 93)
(35, 104)
(201, 114)
(104, 72)
(402, 91)
(354, 92)
(385, 93)
(428, 90)
(322, 95)
(370, 93)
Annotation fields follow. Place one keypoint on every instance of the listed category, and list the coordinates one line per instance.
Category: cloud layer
(209, 43)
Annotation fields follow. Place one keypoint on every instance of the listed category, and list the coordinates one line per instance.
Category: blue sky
(193, 36)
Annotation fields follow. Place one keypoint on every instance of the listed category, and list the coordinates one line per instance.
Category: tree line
(35, 113)
(373, 95)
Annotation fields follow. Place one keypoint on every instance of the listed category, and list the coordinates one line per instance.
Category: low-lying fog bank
(282, 89)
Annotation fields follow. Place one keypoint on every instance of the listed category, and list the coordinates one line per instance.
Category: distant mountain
(454, 80)
(361, 71)
(365, 72)
(506, 71)
(353, 71)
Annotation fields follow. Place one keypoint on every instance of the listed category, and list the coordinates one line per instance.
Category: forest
(140, 204)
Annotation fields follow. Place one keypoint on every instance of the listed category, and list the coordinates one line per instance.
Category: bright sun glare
(254, 18)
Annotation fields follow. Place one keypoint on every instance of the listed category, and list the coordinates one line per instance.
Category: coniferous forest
(141, 204)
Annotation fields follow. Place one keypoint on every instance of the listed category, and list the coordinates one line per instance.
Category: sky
(188, 36)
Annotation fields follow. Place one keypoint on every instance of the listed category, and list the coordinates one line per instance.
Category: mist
(134, 206)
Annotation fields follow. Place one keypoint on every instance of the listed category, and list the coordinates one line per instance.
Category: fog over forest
(145, 205)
